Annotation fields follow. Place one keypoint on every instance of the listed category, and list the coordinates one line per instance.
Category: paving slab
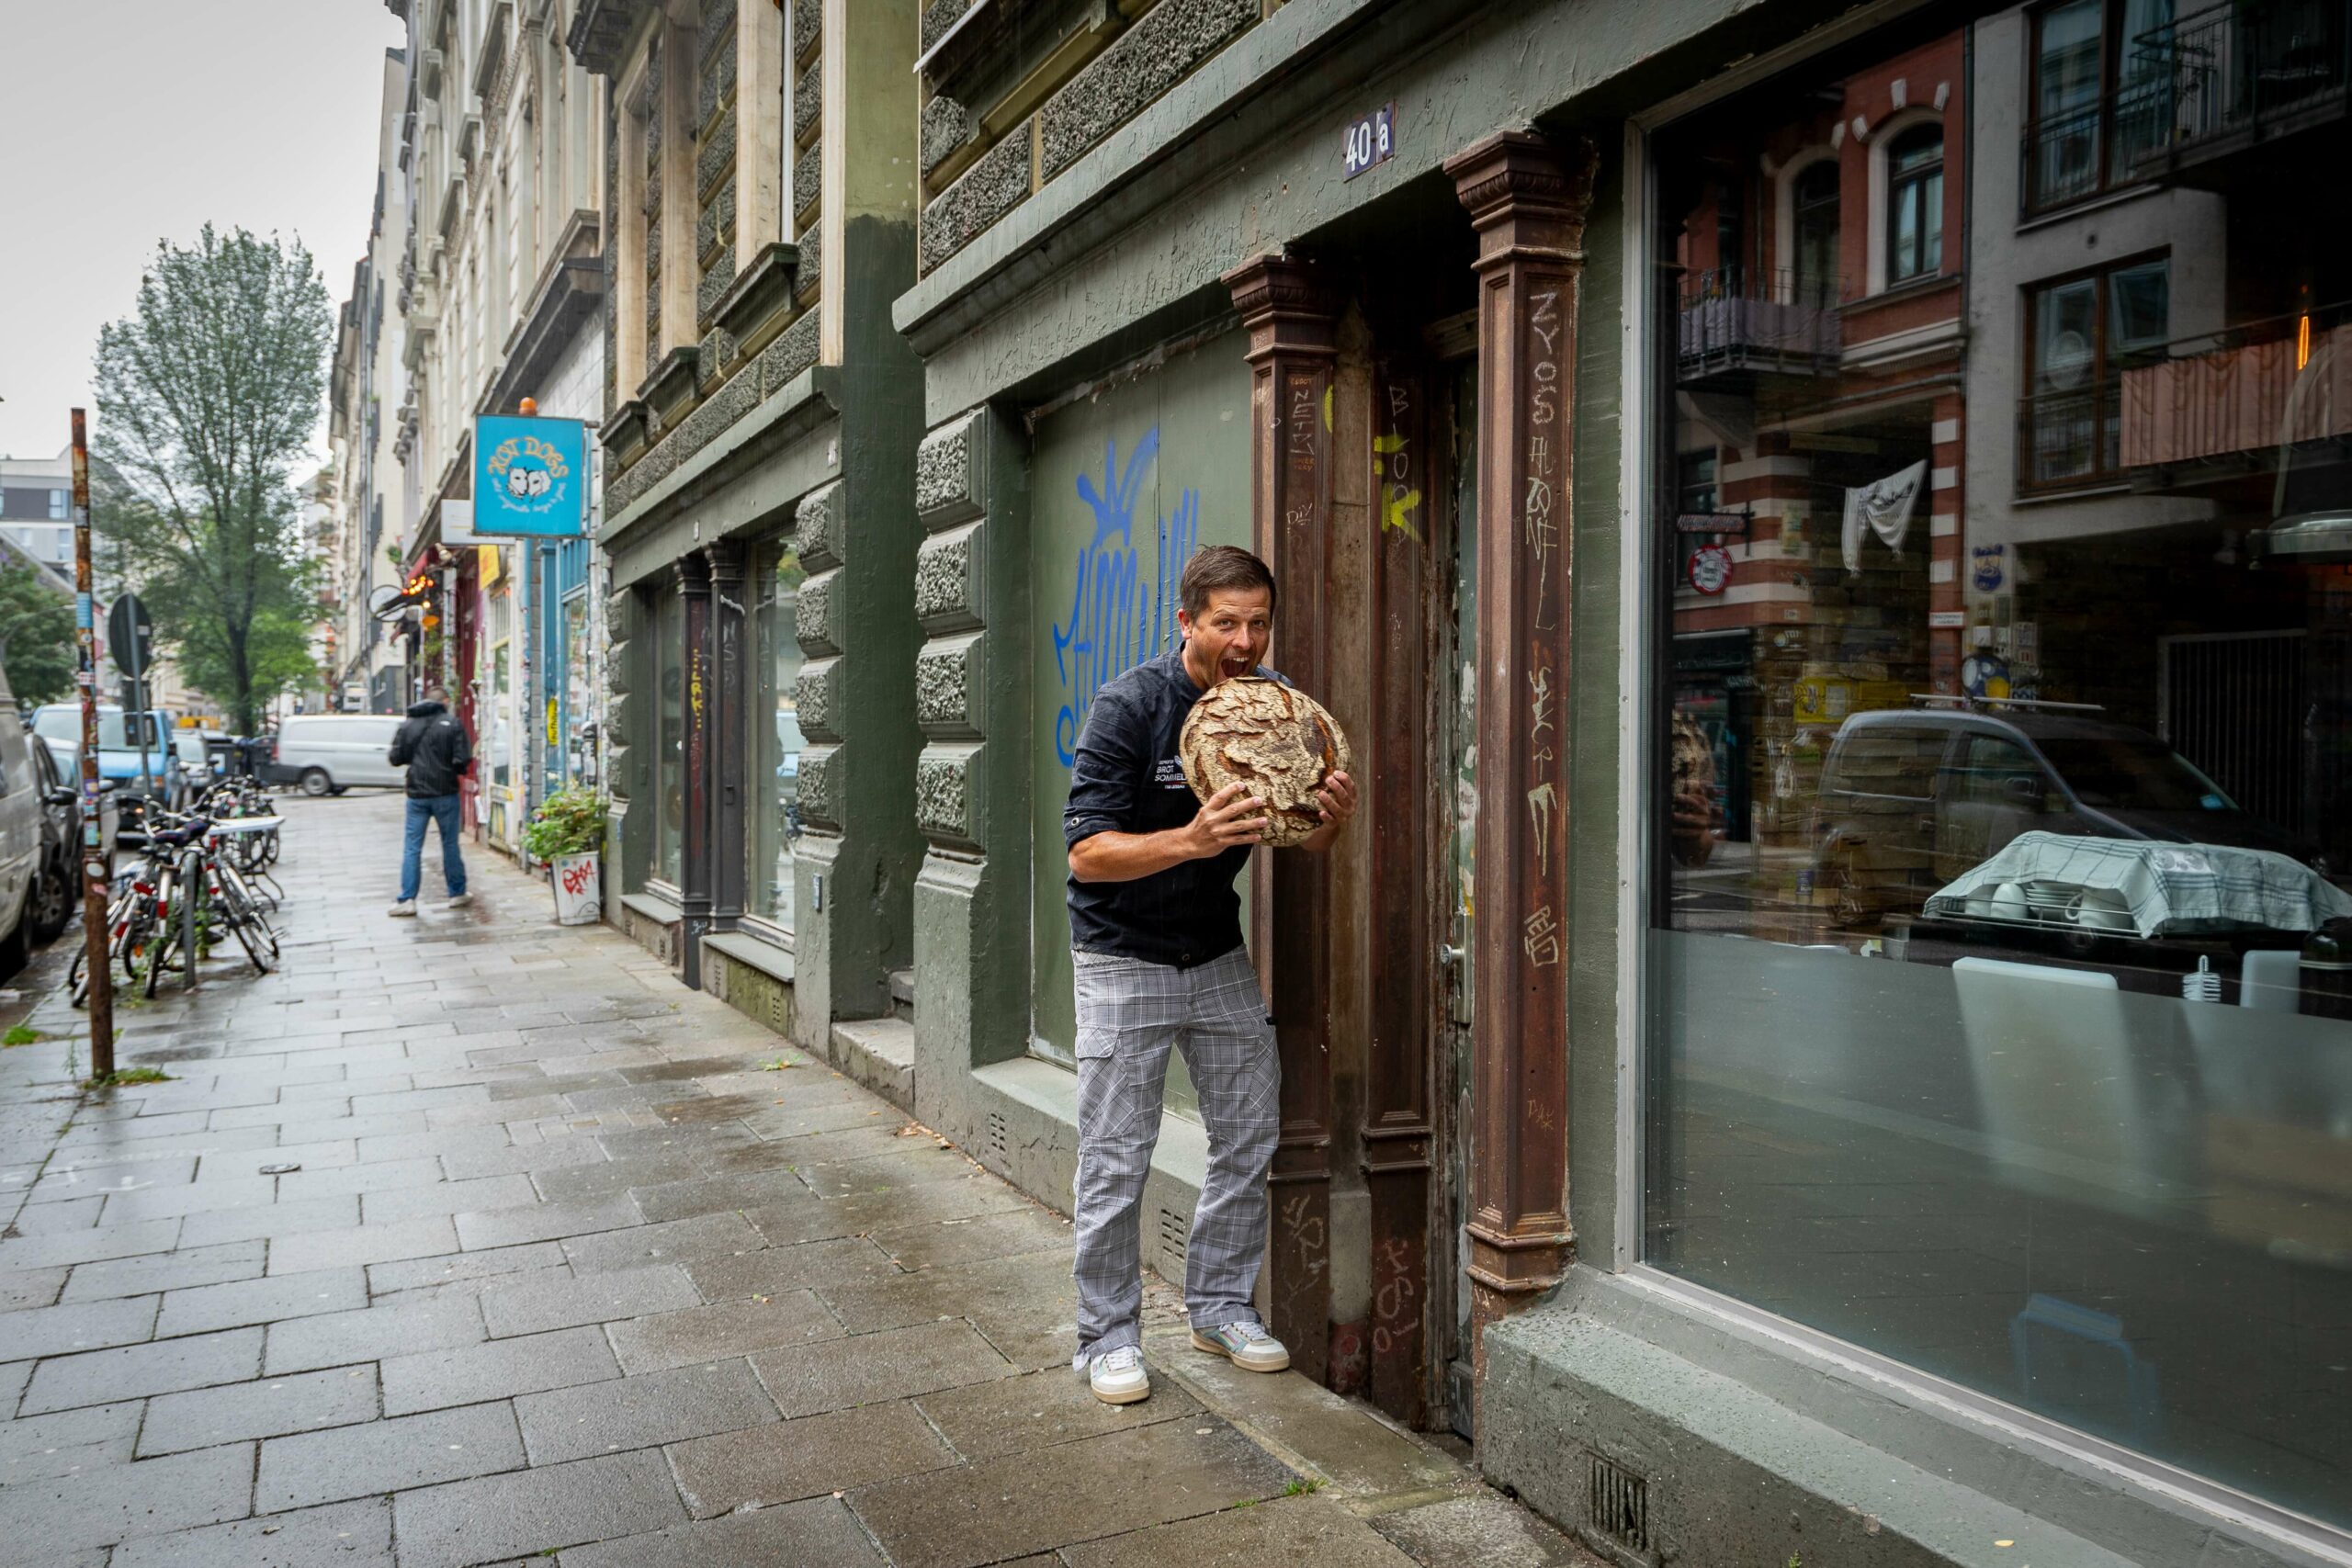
(268, 1407)
(1027, 1305)
(43, 1521)
(600, 1177)
(1009, 1233)
(166, 1366)
(642, 1411)
(346, 1535)
(870, 1367)
(80, 1325)
(342, 1181)
(819, 1533)
(402, 1327)
(189, 1265)
(270, 1220)
(387, 1456)
(530, 1511)
(844, 1261)
(55, 1218)
(1040, 1410)
(429, 1236)
(267, 1299)
(566, 1301)
(728, 1328)
(785, 1460)
(532, 1220)
(418, 1273)
(1299, 1532)
(126, 1205)
(496, 1370)
(881, 1173)
(22, 1290)
(89, 1245)
(1049, 1497)
(866, 1213)
(445, 1198)
(673, 1241)
(719, 1194)
(1485, 1528)
(69, 1441)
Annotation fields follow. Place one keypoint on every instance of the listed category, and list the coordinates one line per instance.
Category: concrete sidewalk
(562, 1258)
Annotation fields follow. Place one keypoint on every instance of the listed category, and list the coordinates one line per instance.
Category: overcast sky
(124, 122)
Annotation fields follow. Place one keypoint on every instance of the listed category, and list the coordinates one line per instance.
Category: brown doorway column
(1527, 200)
(694, 858)
(1291, 317)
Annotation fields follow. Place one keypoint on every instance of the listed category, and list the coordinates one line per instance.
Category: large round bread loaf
(1274, 739)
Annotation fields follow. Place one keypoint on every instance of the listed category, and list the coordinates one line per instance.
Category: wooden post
(694, 860)
(1291, 320)
(733, 743)
(1527, 200)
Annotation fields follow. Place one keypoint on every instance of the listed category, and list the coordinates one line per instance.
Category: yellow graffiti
(1326, 408)
(1398, 501)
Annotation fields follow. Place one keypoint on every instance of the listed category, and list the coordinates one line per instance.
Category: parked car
(21, 832)
(326, 753)
(1911, 798)
(57, 887)
(59, 725)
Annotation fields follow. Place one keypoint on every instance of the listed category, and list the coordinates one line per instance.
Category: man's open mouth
(1232, 667)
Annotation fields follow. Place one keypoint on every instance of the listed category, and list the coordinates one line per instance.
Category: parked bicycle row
(199, 878)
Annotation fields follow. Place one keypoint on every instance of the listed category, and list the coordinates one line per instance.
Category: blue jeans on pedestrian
(441, 808)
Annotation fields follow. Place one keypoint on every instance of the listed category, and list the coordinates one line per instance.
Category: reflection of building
(1817, 356)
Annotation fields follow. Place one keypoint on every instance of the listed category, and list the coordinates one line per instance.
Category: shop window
(2082, 333)
(1914, 204)
(670, 735)
(1993, 1015)
(776, 825)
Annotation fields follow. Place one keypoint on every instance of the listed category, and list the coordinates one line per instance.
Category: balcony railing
(1739, 319)
(2243, 68)
(2234, 394)
(2074, 156)
(2069, 439)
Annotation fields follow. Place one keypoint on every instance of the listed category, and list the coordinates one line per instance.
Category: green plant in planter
(568, 822)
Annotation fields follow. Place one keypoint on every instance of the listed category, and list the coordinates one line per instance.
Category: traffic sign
(130, 635)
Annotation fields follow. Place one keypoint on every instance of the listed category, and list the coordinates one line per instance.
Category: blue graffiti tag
(1117, 618)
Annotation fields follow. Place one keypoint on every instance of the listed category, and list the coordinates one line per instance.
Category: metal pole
(93, 870)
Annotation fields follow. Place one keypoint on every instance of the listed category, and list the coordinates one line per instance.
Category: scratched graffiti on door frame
(1118, 616)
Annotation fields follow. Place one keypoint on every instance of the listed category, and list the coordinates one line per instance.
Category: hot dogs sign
(530, 477)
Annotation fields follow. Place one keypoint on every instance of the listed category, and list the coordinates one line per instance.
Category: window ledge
(754, 953)
(2071, 492)
(653, 907)
(2030, 222)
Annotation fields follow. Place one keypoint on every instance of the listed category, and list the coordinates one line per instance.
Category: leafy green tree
(35, 634)
(207, 395)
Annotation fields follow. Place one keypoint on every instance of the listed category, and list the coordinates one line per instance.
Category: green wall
(1125, 482)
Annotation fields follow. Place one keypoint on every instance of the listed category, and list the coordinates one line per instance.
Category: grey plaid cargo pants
(1129, 1013)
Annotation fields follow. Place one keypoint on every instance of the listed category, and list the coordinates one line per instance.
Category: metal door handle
(1452, 956)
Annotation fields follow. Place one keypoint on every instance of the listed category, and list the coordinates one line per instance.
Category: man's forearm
(1123, 857)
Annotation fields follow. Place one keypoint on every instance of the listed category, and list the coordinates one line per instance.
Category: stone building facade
(1646, 1027)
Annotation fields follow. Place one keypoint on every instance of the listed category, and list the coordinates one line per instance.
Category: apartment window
(2082, 332)
(60, 503)
(1914, 201)
(2099, 95)
(1814, 201)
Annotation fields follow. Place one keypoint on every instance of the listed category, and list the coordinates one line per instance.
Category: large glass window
(670, 733)
(1814, 202)
(776, 825)
(1999, 877)
(2104, 74)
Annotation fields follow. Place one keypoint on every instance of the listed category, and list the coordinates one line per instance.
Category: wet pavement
(474, 1239)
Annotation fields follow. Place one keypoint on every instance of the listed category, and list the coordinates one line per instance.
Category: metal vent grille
(1621, 1504)
(1173, 1230)
(1000, 1138)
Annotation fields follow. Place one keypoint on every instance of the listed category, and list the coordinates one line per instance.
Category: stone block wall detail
(1164, 46)
(946, 126)
(948, 578)
(991, 188)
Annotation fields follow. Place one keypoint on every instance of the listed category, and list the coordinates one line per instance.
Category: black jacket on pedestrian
(433, 745)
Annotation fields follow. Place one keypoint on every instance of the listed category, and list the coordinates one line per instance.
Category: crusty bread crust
(1275, 739)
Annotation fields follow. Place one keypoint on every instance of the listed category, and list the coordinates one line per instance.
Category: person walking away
(433, 747)
(1157, 964)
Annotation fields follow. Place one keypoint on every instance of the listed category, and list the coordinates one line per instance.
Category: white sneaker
(459, 900)
(405, 910)
(1246, 1345)
(1117, 1376)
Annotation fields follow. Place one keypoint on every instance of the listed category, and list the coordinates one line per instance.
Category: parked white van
(326, 753)
(21, 831)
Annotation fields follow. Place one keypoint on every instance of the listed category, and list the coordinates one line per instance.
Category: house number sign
(1372, 138)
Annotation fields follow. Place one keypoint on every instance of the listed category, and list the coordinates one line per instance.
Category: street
(562, 1258)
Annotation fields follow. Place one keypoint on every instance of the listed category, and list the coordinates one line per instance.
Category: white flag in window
(1886, 506)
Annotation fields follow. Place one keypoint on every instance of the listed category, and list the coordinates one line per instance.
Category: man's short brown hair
(1226, 567)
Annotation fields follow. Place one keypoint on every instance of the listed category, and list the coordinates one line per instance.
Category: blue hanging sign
(530, 477)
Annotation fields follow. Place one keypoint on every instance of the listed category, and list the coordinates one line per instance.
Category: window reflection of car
(1911, 798)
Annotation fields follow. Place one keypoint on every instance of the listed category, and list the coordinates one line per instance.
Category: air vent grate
(1174, 1228)
(1621, 1504)
(1000, 1138)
